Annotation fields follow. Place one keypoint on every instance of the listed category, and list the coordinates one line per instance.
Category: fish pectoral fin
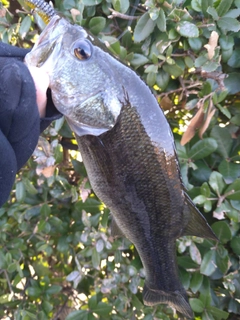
(175, 299)
(197, 225)
(115, 230)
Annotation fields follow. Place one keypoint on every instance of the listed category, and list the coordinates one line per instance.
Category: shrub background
(57, 258)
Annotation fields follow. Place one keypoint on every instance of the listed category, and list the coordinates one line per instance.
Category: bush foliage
(57, 258)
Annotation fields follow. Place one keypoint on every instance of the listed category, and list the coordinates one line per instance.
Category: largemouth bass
(128, 150)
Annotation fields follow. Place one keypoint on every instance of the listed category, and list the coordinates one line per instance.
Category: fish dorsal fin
(197, 225)
(115, 230)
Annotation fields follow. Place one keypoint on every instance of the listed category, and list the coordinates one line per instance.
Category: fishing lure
(42, 8)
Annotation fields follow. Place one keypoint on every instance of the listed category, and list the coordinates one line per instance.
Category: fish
(128, 150)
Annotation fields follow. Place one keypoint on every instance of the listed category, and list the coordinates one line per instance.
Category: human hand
(20, 108)
(41, 81)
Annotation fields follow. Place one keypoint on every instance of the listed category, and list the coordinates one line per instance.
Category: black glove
(20, 124)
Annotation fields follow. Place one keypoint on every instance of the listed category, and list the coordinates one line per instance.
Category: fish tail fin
(175, 299)
(197, 225)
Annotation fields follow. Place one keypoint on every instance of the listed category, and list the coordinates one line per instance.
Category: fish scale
(128, 151)
(142, 196)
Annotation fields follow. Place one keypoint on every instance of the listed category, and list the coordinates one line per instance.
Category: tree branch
(116, 14)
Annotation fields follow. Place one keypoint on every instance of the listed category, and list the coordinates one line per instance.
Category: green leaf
(200, 61)
(138, 60)
(189, 62)
(207, 316)
(25, 26)
(179, 15)
(196, 305)
(95, 259)
(195, 44)
(202, 173)
(186, 262)
(233, 191)
(228, 24)
(78, 315)
(226, 42)
(173, 70)
(210, 66)
(223, 139)
(12, 267)
(199, 199)
(195, 253)
(226, 55)
(29, 187)
(222, 96)
(97, 24)
(54, 289)
(234, 61)
(236, 120)
(234, 13)
(196, 282)
(62, 244)
(92, 302)
(229, 170)
(113, 43)
(100, 245)
(151, 68)
(85, 219)
(213, 13)
(187, 29)
(47, 307)
(205, 292)
(102, 309)
(208, 265)
(223, 7)
(202, 149)
(136, 302)
(34, 292)
(121, 5)
(161, 21)
(217, 314)
(232, 83)
(216, 182)
(151, 79)
(235, 245)
(222, 260)
(162, 79)
(73, 275)
(222, 231)
(58, 153)
(206, 89)
(205, 5)
(205, 190)
(20, 191)
(154, 12)
(91, 2)
(207, 206)
(144, 28)
(196, 5)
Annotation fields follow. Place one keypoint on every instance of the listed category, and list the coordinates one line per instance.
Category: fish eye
(82, 49)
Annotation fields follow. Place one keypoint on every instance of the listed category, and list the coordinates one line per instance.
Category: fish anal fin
(115, 230)
(197, 225)
(175, 299)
